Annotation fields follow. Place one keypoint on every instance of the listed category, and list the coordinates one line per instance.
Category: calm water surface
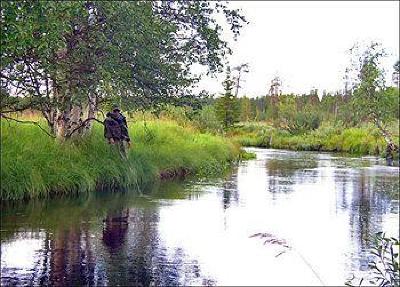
(286, 218)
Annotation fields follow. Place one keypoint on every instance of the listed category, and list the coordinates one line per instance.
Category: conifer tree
(227, 106)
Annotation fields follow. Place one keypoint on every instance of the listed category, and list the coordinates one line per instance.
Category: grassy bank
(34, 165)
(360, 140)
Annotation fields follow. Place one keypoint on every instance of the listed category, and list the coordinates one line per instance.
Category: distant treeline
(297, 113)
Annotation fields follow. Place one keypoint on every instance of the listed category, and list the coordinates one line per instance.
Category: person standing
(116, 130)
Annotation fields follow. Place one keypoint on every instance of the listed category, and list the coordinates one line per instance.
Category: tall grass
(34, 165)
(359, 140)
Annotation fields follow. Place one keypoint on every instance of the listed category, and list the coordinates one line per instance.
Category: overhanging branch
(27, 122)
(83, 124)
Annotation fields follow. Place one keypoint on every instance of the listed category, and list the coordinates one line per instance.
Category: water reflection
(122, 248)
(230, 191)
(115, 228)
(367, 195)
(199, 233)
(290, 169)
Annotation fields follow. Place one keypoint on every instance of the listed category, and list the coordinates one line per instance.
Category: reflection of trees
(114, 229)
(118, 245)
(284, 173)
(360, 194)
(65, 260)
(143, 260)
(61, 255)
(341, 184)
(230, 191)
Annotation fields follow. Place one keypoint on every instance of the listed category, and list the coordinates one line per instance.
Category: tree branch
(82, 125)
(27, 122)
(16, 110)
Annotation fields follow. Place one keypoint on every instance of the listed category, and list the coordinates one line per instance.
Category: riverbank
(34, 165)
(253, 208)
(359, 140)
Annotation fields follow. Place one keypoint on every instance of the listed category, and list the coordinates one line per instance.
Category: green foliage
(181, 115)
(246, 112)
(206, 120)
(371, 99)
(59, 54)
(227, 107)
(391, 97)
(385, 265)
(244, 155)
(367, 97)
(33, 165)
(295, 119)
(328, 137)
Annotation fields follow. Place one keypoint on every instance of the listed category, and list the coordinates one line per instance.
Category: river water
(285, 218)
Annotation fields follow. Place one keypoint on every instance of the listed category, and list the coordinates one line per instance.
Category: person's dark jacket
(112, 128)
(122, 125)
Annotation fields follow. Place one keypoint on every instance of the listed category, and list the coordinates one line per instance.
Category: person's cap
(116, 108)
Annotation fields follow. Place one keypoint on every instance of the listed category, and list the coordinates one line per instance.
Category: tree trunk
(385, 133)
(67, 121)
(50, 116)
(71, 124)
(391, 147)
(237, 84)
(91, 112)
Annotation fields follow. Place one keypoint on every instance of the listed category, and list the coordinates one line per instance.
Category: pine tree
(227, 106)
(246, 113)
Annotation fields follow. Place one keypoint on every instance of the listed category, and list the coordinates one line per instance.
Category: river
(284, 218)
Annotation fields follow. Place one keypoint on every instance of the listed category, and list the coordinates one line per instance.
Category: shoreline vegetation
(34, 165)
(362, 140)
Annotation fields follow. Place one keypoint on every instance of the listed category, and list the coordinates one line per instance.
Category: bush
(300, 122)
(206, 120)
(385, 264)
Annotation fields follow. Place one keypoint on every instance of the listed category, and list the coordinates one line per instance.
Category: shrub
(385, 264)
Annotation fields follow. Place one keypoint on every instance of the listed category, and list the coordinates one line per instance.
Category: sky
(306, 43)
